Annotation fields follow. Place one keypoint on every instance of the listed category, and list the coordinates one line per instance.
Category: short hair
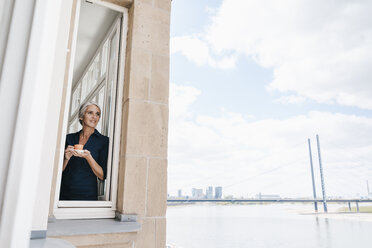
(84, 107)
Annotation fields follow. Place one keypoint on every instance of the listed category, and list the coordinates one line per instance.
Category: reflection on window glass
(90, 81)
(97, 85)
(101, 189)
(100, 100)
(112, 74)
(101, 96)
(84, 88)
(104, 58)
(100, 123)
(96, 69)
(74, 127)
(76, 99)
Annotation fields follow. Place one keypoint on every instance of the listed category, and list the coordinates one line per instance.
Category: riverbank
(344, 216)
(335, 210)
(170, 204)
(342, 213)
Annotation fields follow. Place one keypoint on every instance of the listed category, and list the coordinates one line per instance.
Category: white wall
(40, 216)
(25, 84)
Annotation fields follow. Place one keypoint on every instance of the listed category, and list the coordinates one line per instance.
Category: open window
(97, 62)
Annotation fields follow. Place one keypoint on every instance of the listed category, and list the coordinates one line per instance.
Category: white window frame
(102, 82)
(95, 209)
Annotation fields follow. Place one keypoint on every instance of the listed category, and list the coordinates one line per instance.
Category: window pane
(111, 78)
(75, 99)
(96, 68)
(100, 101)
(93, 74)
(104, 58)
(90, 79)
(101, 97)
(101, 189)
(84, 89)
(74, 127)
(97, 85)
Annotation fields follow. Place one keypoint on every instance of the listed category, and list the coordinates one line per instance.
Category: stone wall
(143, 161)
(111, 240)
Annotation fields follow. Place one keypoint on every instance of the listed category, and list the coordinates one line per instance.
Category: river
(263, 226)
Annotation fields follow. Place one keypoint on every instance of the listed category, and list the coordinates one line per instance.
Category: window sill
(90, 226)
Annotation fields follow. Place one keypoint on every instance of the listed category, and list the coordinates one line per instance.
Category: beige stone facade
(112, 240)
(142, 173)
(143, 164)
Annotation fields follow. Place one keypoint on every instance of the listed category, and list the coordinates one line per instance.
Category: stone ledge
(50, 243)
(91, 226)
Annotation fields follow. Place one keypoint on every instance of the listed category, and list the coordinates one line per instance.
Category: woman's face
(91, 116)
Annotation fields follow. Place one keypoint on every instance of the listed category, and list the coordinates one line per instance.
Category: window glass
(97, 84)
(111, 77)
(101, 189)
(96, 68)
(104, 58)
(75, 126)
(90, 82)
(84, 87)
(75, 99)
(101, 97)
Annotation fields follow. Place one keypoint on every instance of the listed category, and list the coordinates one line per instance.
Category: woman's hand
(69, 152)
(96, 168)
(84, 154)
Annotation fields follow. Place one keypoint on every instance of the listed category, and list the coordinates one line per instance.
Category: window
(102, 82)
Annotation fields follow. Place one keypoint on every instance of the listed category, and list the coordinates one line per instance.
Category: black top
(78, 180)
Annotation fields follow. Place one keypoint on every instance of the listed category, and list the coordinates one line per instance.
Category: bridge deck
(268, 200)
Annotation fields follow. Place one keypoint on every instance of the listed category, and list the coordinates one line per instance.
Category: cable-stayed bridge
(341, 175)
(315, 201)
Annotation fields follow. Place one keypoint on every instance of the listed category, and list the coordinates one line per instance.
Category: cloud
(293, 99)
(247, 156)
(197, 51)
(182, 98)
(321, 50)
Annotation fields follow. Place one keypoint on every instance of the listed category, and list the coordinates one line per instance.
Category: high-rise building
(179, 193)
(197, 193)
(209, 192)
(218, 192)
(193, 193)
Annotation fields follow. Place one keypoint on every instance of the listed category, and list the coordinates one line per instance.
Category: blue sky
(239, 89)
(240, 79)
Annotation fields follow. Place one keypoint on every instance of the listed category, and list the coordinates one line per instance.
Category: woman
(82, 168)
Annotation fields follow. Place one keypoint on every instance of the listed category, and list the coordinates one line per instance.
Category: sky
(252, 80)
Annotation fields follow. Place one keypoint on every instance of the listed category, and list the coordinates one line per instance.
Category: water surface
(256, 226)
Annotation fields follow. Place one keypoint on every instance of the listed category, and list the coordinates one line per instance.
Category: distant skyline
(252, 80)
